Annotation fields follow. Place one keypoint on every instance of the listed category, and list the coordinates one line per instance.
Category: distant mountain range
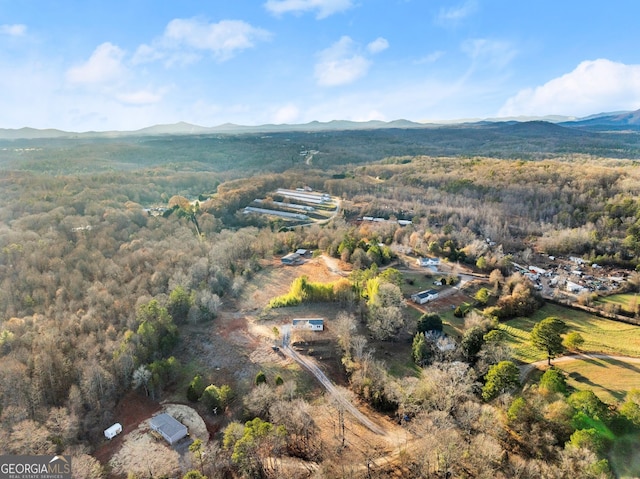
(627, 120)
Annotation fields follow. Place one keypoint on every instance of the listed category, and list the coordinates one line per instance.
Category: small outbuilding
(113, 431)
(168, 427)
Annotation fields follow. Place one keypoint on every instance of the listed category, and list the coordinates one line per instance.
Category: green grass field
(627, 302)
(453, 326)
(609, 379)
(421, 281)
(600, 335)
(402, 365)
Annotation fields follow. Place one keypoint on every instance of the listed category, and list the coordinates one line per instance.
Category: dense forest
(95, 291)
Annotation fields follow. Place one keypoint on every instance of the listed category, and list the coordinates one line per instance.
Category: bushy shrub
(302, 290)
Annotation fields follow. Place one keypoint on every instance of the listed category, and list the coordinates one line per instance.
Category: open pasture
(600, 335)
(610, 379)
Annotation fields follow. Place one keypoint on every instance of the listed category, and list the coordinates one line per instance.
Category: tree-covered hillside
(112, 249)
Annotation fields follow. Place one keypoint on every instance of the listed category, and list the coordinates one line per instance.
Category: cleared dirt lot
(232, 349)
(276, 278)
(137, 449)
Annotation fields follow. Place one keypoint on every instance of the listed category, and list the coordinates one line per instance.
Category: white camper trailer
(113, 431)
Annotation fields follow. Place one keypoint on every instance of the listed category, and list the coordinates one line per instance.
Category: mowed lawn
(600, 335)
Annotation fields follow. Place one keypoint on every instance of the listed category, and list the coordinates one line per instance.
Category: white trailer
(113, 431)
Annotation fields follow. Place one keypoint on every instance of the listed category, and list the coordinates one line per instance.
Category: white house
(428, 261)
(168, 427)
(113, 431)
(310, 324)
(424, 296)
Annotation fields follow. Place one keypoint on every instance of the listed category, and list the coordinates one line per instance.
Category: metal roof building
(171, 429)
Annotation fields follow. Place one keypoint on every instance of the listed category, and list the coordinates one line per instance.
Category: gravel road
(310, 366)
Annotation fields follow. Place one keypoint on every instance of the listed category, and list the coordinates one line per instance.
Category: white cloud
(489, 53)
(183, 39)
(104, 66)
(15, 30)
(456, 14)
(223, 39)
(286, 114)
(146, 54)
(35, 95)
(340, 64)
(594, 86)
(324, 8)
(140, 97)
(378, 45)
(430, 58)
(410, 99)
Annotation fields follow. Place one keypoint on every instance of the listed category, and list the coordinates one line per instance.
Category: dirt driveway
(231, 349)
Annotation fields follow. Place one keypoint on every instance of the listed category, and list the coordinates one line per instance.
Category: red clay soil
(130, 412)
(229, 323)
(441, 304)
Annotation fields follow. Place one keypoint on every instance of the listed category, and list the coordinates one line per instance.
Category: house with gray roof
(168, 427)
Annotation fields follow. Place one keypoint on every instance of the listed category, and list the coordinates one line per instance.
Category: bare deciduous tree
(444, 386)
(344, 327)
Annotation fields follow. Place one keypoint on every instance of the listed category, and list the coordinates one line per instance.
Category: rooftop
(166, 424)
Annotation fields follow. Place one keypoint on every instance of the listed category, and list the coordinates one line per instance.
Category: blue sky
(97, 65)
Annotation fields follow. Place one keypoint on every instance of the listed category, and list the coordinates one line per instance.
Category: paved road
(310, 366)
(526, 369)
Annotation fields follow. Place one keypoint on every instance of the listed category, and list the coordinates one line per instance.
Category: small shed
(113, 431)
(310, 324)
(168, 427)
